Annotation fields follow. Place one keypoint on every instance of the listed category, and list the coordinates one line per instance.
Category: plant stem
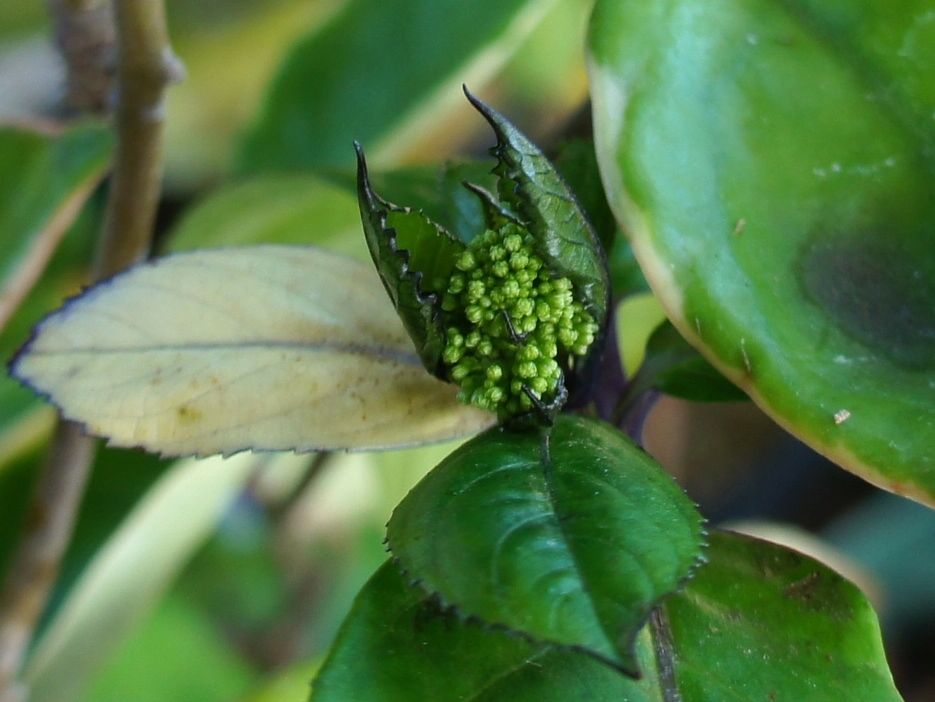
(46, 534)
(665, 659)
(145, 66)
(84, 34)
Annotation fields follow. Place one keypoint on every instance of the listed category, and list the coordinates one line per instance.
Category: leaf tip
(494, 118)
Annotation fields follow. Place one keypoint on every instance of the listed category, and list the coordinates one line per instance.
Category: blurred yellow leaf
(266, 347)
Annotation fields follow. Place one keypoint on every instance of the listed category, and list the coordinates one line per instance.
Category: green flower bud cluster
(511, 320)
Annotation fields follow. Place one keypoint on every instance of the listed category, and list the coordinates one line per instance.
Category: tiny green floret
(510, 321)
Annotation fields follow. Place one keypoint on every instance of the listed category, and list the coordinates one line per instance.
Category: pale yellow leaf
(267, 348)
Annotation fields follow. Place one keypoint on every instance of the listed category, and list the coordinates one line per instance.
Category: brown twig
(46, 534)
(145, 66)
(84, 34)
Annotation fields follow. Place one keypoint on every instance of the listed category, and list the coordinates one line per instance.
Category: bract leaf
(556, 535)
(758, 622)
(268, 347)
(576, 162)
(414, 257)
(531, 186)
(772, 164)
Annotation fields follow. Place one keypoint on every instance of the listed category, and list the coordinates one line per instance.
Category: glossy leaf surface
(250, 348)
(758, 622)
(761, 619)
(395, 646)
(772, 163)
(383, 93)
(569, 537)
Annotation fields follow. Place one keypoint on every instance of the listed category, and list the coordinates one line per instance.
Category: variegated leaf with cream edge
(771, 163)
(263, 348)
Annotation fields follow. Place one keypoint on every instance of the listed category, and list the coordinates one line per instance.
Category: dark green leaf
(382, 73)
(531, 186)
(557, 536)
(626, 277)
(762, 622)
(577, 164)
(396, 646)
(414, 257)
(758, 622)
(437, 190)
(496, 214)
(772, 163)
(674, 367)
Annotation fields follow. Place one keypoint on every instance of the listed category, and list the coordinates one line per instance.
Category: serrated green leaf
(555, 535)
(414, 257)
(383, 74)
(266, 347)
(758, 622)
(396, 646)
(772, 163)
(531, 186)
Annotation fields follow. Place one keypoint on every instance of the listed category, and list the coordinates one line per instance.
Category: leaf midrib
(546, 459)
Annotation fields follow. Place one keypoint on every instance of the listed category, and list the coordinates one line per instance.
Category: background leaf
(385, 93)
(773, 166)
(758, 622)
(131, 570)
(274, 209)
(322, 210)
(556, 538)
(176, 630)
(44, 181)
(675, 368)
(221, 351)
